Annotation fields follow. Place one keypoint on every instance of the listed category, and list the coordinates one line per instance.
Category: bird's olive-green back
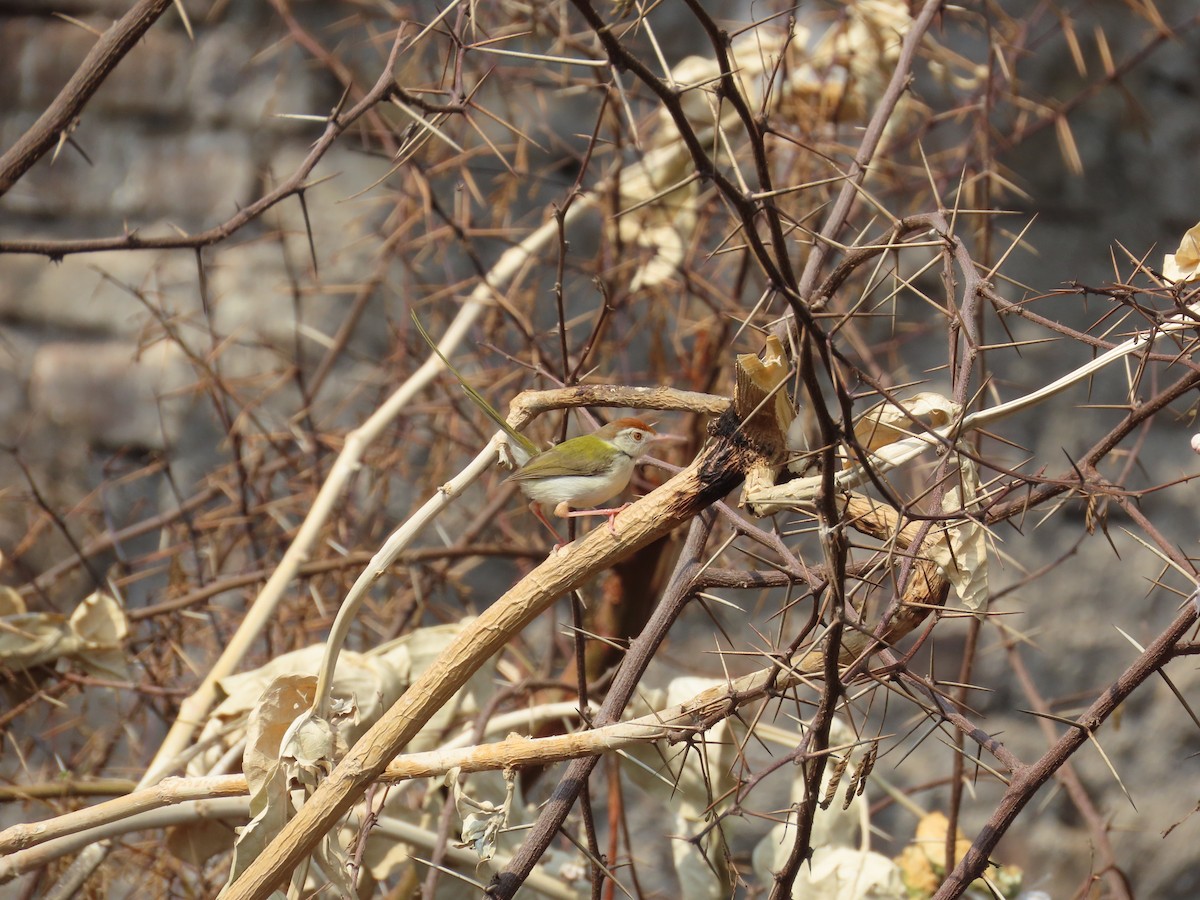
(584, 455)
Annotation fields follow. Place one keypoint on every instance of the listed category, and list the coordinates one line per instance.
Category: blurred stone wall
(111, 351)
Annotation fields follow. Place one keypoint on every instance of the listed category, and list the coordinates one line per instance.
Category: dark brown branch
(730, 92)
(620, 56)
(1097, 823)
(1029, 780)
(60, 116)
(294, 184)
(866, 148)
(641, 651)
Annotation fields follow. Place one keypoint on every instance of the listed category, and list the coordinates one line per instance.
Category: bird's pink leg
(559, 543)
(611, 513)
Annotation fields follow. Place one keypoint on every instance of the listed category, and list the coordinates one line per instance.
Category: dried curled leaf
(374, 681)
(287, 751)
(367, 682)
(364, 685)
(285, 698)
(663, 222)
(93, 635)
(848, 873)
(823, 78)
(959, 547)
(1184, 264)
(923, 862)
(761, 400)
(480, 829)
(887, 422)
(486, 820)
(11, 603)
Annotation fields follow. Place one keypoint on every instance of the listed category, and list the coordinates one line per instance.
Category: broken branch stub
(764, 408)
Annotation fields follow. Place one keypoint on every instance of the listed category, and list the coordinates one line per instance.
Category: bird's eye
(637, 435)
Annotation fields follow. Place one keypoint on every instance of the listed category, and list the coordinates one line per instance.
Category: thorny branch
(56, 123)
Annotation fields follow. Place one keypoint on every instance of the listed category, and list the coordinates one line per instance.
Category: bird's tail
(522, 444)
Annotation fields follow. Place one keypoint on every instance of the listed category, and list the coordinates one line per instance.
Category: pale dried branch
(196, 707)
(709, 477)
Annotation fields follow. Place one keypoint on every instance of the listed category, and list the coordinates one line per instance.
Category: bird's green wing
(563, 460)
(490, 411)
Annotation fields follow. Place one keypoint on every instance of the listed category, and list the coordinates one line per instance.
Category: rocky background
(103, 354)
(104, 357)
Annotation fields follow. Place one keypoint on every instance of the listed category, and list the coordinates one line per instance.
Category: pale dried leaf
(99, 621)
(309, 750)
(1184, 264)
(198, 842)
(959, 547)
(923, 862)
(256, 834)
(668, 241)
(479, 832)
(852, 61)
(100, 625)
(271, 806)
(372, 681)
(485, 820)
(287, 747)
(93, 635)
(847, 873)
(930, 838)
(11, 603)
(284, 701)
(30, 639)
(663, 224)
(364, 686)
(271, 713)
(887, 422)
